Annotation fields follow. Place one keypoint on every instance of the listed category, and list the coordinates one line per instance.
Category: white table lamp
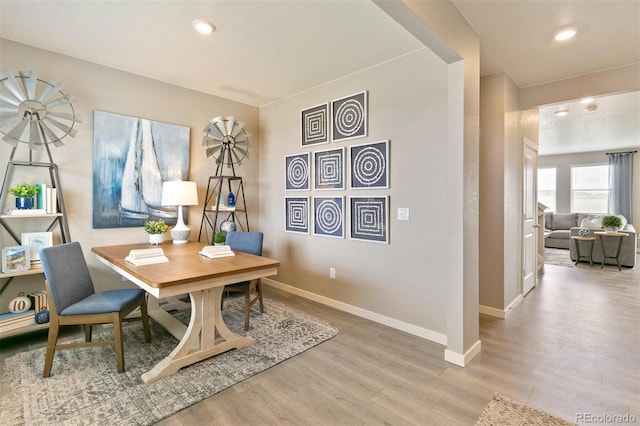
(179, 193)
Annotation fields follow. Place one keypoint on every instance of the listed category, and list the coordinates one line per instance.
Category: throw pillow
(591, 223)
(624, 221)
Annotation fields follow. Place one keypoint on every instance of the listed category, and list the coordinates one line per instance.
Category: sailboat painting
(131, 158)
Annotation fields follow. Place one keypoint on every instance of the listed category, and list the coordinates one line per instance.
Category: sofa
(560, 227)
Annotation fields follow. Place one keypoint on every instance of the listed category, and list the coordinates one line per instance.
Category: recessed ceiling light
(202, 26)
(562, 112)
(586, 100)
(565, 34)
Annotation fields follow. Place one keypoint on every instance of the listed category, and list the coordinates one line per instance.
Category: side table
(590, 241)
(620, 236)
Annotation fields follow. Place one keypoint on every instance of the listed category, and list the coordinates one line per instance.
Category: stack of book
(38, 300)
(12, 320)
(146, 256)
(216, 251)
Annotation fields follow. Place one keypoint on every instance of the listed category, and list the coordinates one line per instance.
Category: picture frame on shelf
(36, 241)
(15, 259)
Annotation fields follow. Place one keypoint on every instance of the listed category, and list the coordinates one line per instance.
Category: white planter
(155, 239)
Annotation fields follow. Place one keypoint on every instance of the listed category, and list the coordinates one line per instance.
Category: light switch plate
(403, 213)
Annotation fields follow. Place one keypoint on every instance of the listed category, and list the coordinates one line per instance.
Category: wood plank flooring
(572, 346)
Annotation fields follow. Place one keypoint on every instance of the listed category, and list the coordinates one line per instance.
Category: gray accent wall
(406, 279)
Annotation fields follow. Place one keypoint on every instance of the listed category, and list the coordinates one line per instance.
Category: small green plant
(611, 221)
(24, 190)
(219, 238)
(155, 227)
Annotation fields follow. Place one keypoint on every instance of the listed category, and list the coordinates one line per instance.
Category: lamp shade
(179, 193)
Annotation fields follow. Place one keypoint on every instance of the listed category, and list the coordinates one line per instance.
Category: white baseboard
(515, 302)
(494, 312)
(382, 319)
(500, 313)
(463, 360)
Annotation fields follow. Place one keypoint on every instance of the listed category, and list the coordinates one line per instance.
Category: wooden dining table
(203, 279)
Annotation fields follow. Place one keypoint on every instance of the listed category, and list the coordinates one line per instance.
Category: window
(547, 187)
(590, 189)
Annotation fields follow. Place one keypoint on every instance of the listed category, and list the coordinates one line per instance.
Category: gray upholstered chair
(73, 300)
(248, 242)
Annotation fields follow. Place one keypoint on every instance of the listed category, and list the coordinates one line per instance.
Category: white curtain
(621, 184)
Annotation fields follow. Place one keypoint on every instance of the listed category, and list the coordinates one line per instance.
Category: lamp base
(180, 236)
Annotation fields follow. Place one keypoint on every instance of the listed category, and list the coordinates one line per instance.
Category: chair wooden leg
(117, 337)
(88, 329)
(145, 321)
(51, 348)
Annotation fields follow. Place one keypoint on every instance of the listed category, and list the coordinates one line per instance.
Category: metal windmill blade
(33, 111)
(227, 142)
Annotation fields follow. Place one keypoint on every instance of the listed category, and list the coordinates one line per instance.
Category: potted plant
(156, 230)
(219, 238)
(24, 194)
(611, 223)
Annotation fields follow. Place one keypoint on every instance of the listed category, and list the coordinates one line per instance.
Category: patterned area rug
(504, 411)
(86, 389)
(560, 257)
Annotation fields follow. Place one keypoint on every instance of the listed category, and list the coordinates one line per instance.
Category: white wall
(407, 279)
(97, 87)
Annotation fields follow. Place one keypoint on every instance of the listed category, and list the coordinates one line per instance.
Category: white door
(530, 217)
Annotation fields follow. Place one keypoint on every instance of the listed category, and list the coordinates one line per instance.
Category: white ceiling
(265, 50)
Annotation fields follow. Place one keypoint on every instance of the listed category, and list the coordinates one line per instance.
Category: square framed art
(315, 124)
(369, 165)
(297, 172)
(349, 117)
(328, 216)
(296, 214)
(329, 169)
(36, 241)
(370, 219)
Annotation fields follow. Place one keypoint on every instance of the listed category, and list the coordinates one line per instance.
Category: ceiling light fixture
(564, 35)
(586, 100)
(202, 26)
(562, 112)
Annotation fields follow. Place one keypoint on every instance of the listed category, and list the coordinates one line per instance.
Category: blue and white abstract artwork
(296, 214)
(297, 172)
(370, 219)
(132, 157)
(315, 125)
(329, 169)
(349, 117)
(369, 166)
(328, 216)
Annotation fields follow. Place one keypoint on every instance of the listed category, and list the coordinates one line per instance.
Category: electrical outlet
(332, 273)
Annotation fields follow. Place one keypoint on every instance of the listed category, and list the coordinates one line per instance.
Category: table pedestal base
(197, 340)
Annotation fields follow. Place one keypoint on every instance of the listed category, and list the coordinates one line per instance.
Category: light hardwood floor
(572, 346)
